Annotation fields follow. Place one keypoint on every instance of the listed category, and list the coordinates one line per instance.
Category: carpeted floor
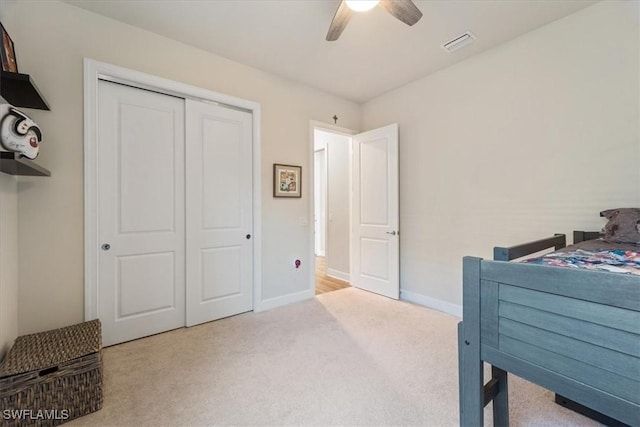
(345, 358)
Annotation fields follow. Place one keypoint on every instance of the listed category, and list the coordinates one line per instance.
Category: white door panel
(374, 188)
(141, 283)
(219, 212)
(146, 161)
(135, 297)
(221, 273)
(375, 246)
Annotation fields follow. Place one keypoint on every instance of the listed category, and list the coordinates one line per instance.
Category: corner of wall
(8, 262)
(8, 258)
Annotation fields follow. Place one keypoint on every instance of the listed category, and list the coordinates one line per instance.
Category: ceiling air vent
(459, 42)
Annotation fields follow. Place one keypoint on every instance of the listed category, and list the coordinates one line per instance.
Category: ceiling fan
(405, 10)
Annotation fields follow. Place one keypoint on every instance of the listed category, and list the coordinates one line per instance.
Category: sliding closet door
(141, 279)
(219, 212)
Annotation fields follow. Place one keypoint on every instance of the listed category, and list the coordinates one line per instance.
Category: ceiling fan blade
(339, 22)
(404, 10)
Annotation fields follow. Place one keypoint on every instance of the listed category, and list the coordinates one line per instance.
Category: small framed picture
(287, 181)
(7, 52)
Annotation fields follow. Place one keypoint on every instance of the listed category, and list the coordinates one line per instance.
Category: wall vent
(459, 42)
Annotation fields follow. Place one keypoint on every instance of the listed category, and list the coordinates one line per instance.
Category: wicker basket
(52, 377)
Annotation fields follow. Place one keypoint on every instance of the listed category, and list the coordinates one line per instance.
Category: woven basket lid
(43, 350)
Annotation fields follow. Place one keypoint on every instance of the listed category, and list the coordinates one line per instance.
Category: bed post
(470, 375)
(501, 398)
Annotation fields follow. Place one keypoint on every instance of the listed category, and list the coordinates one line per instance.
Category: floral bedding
(613, 260)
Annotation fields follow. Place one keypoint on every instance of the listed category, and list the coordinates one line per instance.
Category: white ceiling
(376, 52)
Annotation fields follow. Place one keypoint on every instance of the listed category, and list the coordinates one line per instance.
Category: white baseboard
(270, 303)
(337, 274)
(436, 304)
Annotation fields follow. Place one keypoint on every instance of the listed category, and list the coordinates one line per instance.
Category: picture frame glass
(287, 180)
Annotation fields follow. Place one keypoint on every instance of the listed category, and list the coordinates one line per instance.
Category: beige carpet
(345, 358)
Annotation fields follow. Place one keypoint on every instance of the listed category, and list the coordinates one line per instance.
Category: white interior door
(320, 202)
(219, 212)
(375, 239)
(141, 279)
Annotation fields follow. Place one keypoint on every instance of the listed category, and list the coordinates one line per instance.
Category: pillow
(623, 225)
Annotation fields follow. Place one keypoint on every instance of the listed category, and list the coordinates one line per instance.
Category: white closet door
(219, 212)
(141, 281)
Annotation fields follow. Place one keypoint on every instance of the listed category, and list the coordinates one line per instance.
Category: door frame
(95, 71)
(327, 127)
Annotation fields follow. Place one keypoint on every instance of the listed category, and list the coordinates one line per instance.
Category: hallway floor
(325, 283)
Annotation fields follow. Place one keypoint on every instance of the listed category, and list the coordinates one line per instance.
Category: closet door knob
(106, 247)
(248, 236)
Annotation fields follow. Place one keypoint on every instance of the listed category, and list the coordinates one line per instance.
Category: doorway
(332, 171)
(362, 216)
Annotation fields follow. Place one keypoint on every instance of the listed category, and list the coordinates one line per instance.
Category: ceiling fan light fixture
(403, 10)
(361, 5)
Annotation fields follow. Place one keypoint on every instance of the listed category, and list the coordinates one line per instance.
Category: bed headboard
(581, 236)
(558, 241)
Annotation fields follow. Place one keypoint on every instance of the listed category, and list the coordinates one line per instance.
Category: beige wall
(51, 49)
(533, 137)
(8, 261)
(8, 250)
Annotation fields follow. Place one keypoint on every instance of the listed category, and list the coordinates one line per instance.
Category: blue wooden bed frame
(572, 331)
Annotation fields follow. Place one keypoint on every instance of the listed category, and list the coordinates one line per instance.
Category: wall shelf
(20, 91)
(13, 164)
